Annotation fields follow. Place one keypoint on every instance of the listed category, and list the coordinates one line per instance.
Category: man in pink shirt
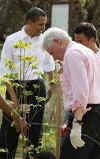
(81, 86)
(86, 34)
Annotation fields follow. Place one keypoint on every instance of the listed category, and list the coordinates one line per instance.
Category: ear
(29, 21)
(92, 39)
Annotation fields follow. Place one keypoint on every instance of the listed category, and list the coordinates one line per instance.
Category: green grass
(48, 142)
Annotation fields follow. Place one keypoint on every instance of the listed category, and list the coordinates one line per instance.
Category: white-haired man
(81, 86)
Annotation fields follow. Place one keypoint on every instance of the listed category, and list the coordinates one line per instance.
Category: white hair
(53, 33)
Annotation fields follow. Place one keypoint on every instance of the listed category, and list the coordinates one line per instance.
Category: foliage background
(13, 13)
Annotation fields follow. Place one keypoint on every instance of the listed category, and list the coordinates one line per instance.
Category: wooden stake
(58, 119)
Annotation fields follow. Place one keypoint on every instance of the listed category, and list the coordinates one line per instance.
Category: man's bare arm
(20, 123)
(12, 94)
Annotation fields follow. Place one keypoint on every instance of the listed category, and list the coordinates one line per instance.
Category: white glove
(75, 135)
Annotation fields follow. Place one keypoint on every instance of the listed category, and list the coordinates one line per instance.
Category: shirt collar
(25, 35)
(70, 44)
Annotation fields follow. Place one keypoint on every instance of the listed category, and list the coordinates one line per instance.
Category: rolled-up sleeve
(79, 80)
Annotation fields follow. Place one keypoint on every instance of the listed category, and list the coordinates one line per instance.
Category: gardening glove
(75, 135)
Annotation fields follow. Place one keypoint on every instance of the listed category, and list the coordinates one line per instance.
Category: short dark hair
(88, 29)
(35, 13)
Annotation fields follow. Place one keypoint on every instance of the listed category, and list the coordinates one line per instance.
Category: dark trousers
(67, 117)
(8, 134)
(67, 149)
(90, 133)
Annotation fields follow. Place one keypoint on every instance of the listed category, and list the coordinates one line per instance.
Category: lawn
(48, 142)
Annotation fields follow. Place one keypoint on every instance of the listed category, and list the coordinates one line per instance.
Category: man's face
(56, 51)
(38, 26)
(81, 38)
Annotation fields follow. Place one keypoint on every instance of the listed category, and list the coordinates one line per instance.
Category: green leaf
(15, 84)
(35, 85)
(27, 93)
(22, 44)
(40, 99)
(9, 63)
(12, 76)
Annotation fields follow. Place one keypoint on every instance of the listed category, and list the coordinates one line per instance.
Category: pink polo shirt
(81, 77)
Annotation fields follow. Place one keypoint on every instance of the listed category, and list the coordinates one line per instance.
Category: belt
(93, 105)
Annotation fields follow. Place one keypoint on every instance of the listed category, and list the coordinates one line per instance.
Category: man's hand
(21, 124)
(78, 114)
(12, 95)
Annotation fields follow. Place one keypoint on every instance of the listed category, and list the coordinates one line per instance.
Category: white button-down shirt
(98, 53)
(81, 77)
(45, 61)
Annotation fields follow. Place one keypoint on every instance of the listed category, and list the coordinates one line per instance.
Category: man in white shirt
(29, 79)
(81, 88)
